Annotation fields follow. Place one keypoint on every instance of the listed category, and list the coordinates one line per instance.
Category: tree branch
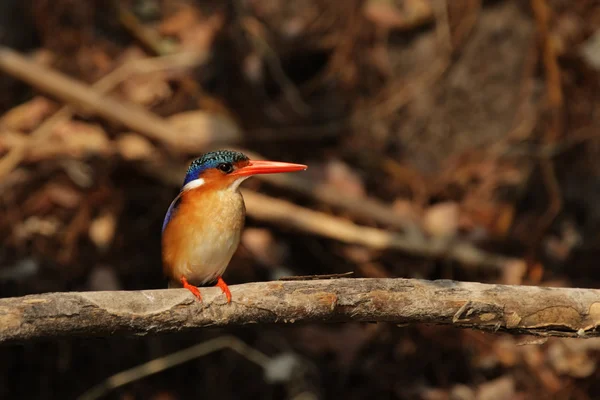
(514, 309)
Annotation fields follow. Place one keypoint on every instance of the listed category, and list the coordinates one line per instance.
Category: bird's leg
(221, 283)
(191, 288)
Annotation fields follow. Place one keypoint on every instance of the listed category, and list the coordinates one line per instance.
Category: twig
(367, 207)
(554, 91)
(149, 65)
(12, 158)
(315, 277)
(444, 33)
(542, 311)
(552, 210)
(467, 23)
(148, 37)
(288, 215)
(160, 364)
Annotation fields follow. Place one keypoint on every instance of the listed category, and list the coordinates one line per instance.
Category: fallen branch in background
(289, 215)
(542, 311)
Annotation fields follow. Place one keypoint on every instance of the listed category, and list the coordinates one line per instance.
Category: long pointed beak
(268, 167)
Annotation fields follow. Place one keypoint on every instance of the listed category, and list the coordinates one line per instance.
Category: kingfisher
(203, 224)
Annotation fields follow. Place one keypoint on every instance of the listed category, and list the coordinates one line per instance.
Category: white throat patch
(193, 184)
(236, 184)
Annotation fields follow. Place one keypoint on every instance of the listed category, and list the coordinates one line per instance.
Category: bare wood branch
(531, 310)
(289, 215)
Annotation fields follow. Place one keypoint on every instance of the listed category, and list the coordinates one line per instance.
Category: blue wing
(171, 211)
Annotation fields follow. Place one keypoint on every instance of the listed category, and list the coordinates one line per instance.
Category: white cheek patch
(193, 184)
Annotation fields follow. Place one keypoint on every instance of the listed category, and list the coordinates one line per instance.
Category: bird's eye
(225, 167)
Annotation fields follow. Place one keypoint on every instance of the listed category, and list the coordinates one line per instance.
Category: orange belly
(202, 236)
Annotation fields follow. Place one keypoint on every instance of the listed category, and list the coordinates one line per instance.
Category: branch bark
(530, 310)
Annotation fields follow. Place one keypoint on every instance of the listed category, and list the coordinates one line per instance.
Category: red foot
(221, 283)
(191, 288)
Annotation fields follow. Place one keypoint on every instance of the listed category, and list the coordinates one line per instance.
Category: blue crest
(211, 160)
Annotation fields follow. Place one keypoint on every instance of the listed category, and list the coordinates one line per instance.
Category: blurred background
(463, 124)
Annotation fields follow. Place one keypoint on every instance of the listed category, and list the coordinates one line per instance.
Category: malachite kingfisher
(203, 225)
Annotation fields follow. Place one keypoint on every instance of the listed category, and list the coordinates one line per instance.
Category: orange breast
(202, 236)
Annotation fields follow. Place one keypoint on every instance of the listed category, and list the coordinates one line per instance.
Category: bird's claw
(195, 291)
(221, 283)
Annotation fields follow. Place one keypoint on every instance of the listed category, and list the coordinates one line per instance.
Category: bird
(203, 224)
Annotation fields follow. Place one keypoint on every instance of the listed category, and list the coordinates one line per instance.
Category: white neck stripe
(193, 184)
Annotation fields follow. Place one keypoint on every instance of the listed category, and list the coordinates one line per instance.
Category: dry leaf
(27, 116)
(406, 209)
(253, 67)
(462, 392)
(10, 139)
(282, 367)
(342, 178)
(441, 219)
(262, 244)
(358, 254)
(63, 195)
(182, 20)
(37, 226)
(590, 50)
(102, 229)
(103, 278)
(78, 139)
(146, 89)
(513, 272)
(506, 352)
(387, 15)
(571, 358)
(195, 31)
(199, 128)
(503, 388)
(133, 147)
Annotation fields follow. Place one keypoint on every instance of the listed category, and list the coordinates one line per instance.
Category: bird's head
(227, 169)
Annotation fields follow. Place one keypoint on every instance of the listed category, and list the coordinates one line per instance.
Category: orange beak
(268, 167)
